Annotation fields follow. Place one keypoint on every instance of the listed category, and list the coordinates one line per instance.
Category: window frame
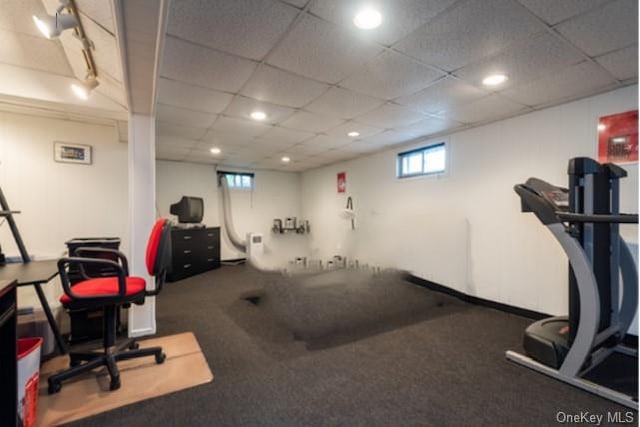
(422, 149)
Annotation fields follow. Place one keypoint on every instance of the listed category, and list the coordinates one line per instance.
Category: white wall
(60, 201)
(465, 229)
(276, 195)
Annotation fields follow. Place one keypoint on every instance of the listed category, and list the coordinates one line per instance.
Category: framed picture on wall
(66, 152)
(618, 138)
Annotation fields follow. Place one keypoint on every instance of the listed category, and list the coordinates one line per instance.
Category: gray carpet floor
(444, 369)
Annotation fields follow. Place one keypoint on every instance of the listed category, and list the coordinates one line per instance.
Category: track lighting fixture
(52, 26)
(84, 88)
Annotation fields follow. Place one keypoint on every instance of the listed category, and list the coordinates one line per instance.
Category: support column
(142, 202)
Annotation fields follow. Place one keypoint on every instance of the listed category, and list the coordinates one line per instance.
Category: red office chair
(109, 293)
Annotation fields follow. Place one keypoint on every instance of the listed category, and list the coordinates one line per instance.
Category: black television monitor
(189, 209)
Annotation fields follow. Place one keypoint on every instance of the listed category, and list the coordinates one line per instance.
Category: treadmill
(585, 220)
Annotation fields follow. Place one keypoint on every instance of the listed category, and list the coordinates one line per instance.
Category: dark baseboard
(534, 315)
(234, 260)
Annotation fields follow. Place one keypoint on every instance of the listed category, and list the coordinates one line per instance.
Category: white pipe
(235, 240)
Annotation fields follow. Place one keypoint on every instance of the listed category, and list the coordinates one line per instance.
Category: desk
(8, 354)
(35, 273)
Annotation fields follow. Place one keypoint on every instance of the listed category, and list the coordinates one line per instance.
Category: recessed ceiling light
(602, 127)
(52, 25)
(258, 115)
(353, 134)
(367, 19)
(285, 159)
(494, 80)
(215, 150)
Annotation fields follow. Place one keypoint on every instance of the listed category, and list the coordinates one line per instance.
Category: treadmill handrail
(611, 219)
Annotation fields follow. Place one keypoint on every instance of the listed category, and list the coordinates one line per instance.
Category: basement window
(239, 180)
(429, 160)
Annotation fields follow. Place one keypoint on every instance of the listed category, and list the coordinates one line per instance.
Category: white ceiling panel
(239, 127)
(335, 155)
(487, 108)
(35, 52)
(171, 129)
(390, 116)
(226, 139)
(623, 63)
(176, 157)
(554, 11)
(322, 51)
(271, 144)
(389, 76)
(297, 3)
(442, 95)
(306, 149)
(541, 56)
(430, 126)
(184, 117)
(311, 122)
(283, 136)
(203, 158)
(388, 137)
(605, 29)
(169, 141)
(242, 107)
(16, 16)
(204, 67)
(338, 102)
(280, 87)
(469, 32)
(249, 28)
(400, 17)
(352, 126)
(172, 92)
(98, 11)
(579, 80)
(105, 54)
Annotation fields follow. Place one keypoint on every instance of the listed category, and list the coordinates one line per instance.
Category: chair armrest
(86, 252)
(63, 263)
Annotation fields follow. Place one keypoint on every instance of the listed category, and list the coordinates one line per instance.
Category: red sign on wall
(618, 138)
(342, 182)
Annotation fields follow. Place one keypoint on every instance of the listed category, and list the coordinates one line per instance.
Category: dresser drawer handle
(210, 234)
(186, 237)
(209, 247)
(186, 251)
(187, 266)
(209, 259)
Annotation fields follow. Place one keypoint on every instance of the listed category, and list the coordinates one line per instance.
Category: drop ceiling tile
(187, 62)
(579, 80)
(179, 94)
(390, 116)
(297, 3)
(388, 137)
(35, 52)
(177, 157)
(171, 129)
(239, 127)
(311, 122)
(351, 126)
(226, 139)
(343, 103)
(469, 32)
(442, 95)
(400, 17)
(242, 107)
(98, 11)
(271, 144)
(249, 28)
(430, 126)
(554, 11)
(184, 117)
(281, 135)
(167, 141)
(538, 57)
(389, 76)
(175, 149)
(16, 16)
(604, 29)
(280, 87)
(326, 142)
(360, 147)
(322, 51)
(488, 108)
(336, 155)
(623, 63)
(202, 158)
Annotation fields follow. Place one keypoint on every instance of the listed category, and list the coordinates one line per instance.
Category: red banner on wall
(342, 182)
(618, 138)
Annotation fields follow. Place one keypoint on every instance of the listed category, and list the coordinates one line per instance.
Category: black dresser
(194, 251)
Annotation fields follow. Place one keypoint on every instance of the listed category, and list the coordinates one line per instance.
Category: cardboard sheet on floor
(141, 379)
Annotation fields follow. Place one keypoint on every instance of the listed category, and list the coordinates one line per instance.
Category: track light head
(83, 89)
(51, 26)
